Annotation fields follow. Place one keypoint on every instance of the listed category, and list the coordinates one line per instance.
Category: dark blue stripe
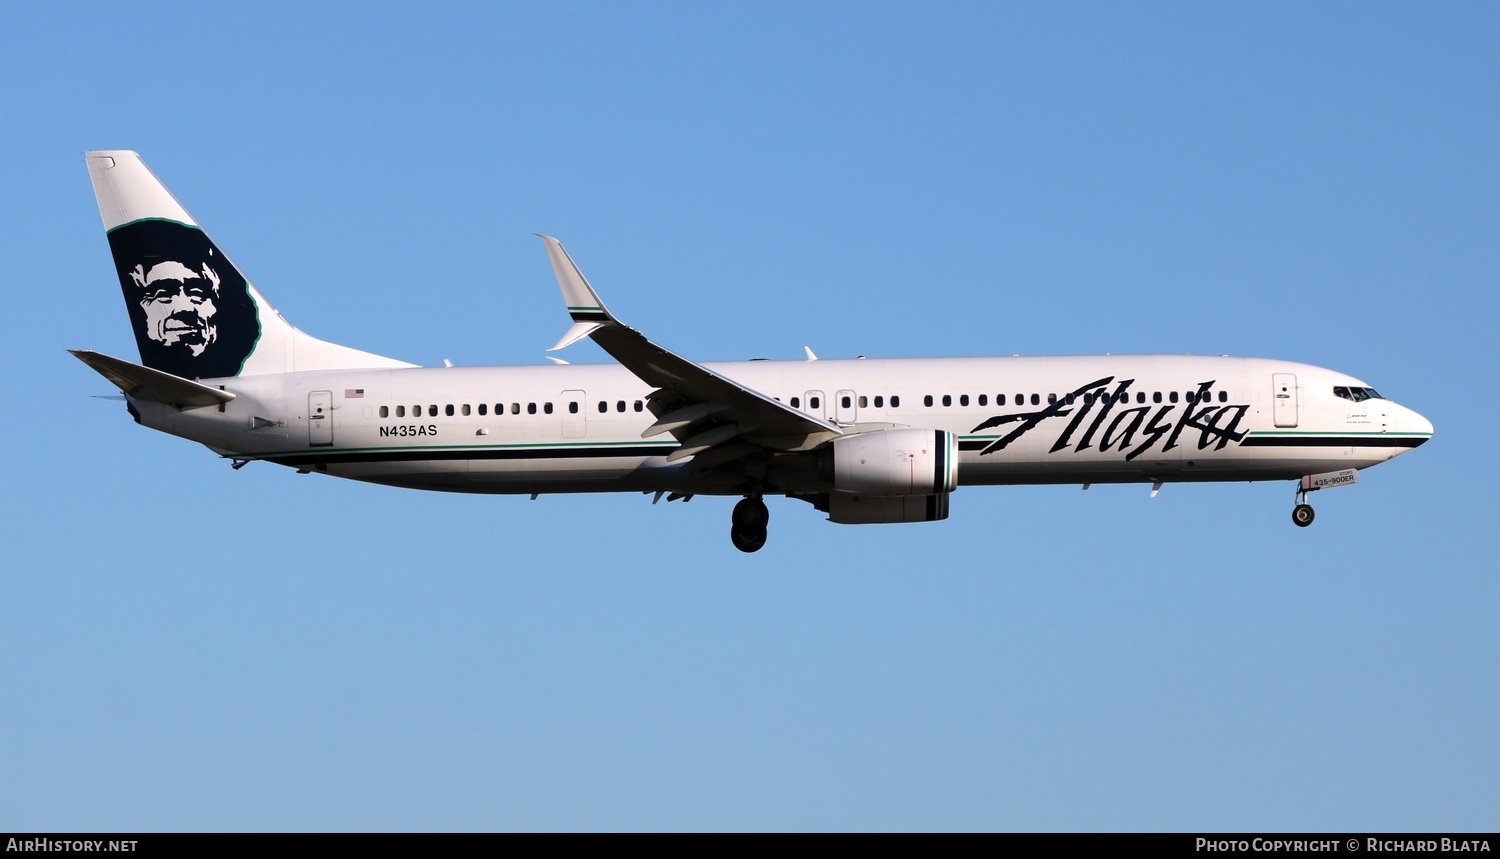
(333, 457)
(1333, 441)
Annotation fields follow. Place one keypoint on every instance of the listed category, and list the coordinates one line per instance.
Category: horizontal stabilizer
(144, 383)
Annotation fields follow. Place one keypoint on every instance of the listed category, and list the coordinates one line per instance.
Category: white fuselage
(578, 428)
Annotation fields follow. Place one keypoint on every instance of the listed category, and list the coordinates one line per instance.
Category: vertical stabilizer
(194, 314)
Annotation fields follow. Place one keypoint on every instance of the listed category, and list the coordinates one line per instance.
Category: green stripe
(162, 220)
(665, 445)
(1305, 434)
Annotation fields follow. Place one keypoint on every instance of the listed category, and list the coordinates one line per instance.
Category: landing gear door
(320, 418)
(1284, 399)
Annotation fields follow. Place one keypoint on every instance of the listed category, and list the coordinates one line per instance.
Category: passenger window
(620, 406)
(812, 402)
(1172, 396)
(547, 407)
(984, 399)
(401, 411)
(927, 401)
(448, 410)
(432, 411)
(863, 402)
(466, 409)
(895, 401)
(999, 399)
(947, 400)
(639, 406)
(963, 399)
(483, 409)
(796, 402)
(1036, 399)
(1223, 396)
(385, 411)
(879, 402)
(572, 408)
(1140, 396)
(1156, 396)
(845, 402)
(1051, 399)
(531, 408)
(603, 407)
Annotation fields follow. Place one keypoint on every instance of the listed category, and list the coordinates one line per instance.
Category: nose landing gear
(747, 529)
(1302, 514)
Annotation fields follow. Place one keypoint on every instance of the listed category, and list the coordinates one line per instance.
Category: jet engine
(893, 463)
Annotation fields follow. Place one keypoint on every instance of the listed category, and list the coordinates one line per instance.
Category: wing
(716, 419)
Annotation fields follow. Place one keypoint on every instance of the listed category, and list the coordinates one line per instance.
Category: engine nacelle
(845, 509)
(894, 463)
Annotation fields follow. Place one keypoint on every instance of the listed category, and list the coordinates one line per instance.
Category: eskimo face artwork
(179, 304)
(192, 310)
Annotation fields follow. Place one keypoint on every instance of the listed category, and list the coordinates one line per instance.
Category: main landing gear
(1302, 514)
(747, 529)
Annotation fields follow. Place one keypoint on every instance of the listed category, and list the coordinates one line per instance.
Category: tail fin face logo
(189, 306)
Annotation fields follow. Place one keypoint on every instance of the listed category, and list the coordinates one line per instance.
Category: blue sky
(189, 647)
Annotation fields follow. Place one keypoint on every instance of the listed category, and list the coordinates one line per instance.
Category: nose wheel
(747, 529)
(1302, 514)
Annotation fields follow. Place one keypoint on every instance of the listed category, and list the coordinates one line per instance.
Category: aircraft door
(845, 407)
(1284, 397)
(320, 418)
(816, 404)
(574, 414)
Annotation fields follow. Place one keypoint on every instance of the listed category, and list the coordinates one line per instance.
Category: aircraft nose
(1415, 424)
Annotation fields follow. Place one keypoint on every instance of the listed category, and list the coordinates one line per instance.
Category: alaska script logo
(190, 308)
(1118, 426)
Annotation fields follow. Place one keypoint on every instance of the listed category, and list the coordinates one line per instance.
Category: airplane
(864, 441)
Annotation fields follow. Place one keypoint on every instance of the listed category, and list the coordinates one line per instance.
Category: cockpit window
(1356, 394)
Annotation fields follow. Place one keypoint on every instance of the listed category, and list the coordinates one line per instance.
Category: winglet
(584, 306)
(576, 332)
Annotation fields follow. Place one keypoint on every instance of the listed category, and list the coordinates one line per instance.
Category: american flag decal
(353, 393)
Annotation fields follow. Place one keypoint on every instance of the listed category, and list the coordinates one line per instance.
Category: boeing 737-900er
(864, 441)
